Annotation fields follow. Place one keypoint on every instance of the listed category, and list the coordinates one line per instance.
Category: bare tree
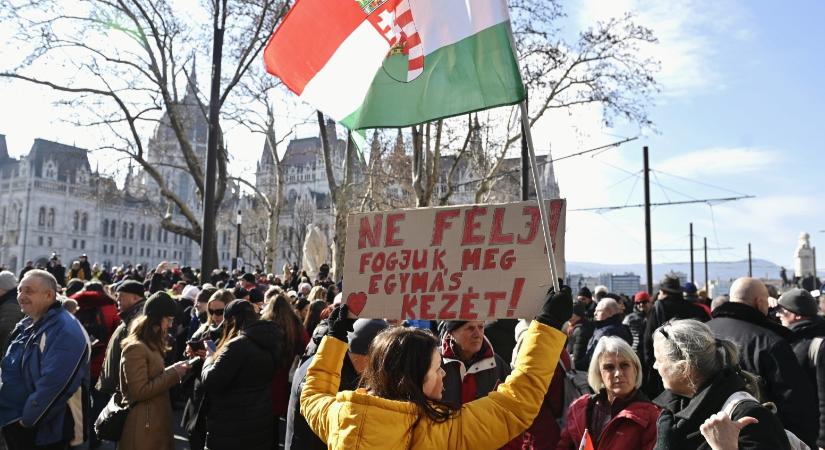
(303, 215)
(604, 66)
(257, 115)
(341, 193)
(125, 62)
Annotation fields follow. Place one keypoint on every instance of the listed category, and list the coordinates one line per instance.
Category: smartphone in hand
(210, 346)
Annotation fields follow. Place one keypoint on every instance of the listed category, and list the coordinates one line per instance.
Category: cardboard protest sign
(463, 262)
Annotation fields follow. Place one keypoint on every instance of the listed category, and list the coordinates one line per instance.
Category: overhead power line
(683, 202)
(548, 161)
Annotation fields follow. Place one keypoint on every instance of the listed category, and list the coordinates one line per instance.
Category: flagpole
(544, 215)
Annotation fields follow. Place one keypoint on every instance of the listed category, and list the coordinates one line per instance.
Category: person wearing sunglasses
(237, 379)
(194, 413)
(637, 321)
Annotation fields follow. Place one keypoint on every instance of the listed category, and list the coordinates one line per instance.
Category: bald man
(765, 350)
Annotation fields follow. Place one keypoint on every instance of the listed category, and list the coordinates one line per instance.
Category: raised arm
(321, 386)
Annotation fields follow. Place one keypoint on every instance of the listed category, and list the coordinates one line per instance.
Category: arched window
(41, 216)
(50, 170)
(149, 232)
(113, 228)
(105, 227)
(132, 230)
(142, 234)
(76, 223)
(124, 231)
(50, 218)
(84, 222)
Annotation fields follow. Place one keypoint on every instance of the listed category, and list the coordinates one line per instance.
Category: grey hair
(694, 352)
(617, 346)
(609, 303)
(46, 279)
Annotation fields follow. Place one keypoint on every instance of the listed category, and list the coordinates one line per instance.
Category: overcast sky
(742, 112)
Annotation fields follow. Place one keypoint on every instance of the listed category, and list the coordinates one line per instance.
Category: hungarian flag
(394, 63)
(587, 443)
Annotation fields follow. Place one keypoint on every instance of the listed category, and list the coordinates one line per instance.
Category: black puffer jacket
(612, 326)
(764, 350)
(237, 384)
(678, 425)
(804, 332)
(299, 436)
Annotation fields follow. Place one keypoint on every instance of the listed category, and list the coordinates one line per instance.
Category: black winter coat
(237, 384)
(803, 334)
(577, 344)
(612, 326)
(502, 335)
(299, 436)
(764, 350)
(678, 425)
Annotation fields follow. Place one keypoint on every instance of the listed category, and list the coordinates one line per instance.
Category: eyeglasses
(217, 312)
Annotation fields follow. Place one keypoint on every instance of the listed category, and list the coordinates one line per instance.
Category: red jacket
(544, 433)
(633, 427)
(100, 326)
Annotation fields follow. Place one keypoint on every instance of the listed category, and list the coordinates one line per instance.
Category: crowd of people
(241, 352)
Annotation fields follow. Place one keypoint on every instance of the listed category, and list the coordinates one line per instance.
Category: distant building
(53, 202)
(719, 287)
(627, 284)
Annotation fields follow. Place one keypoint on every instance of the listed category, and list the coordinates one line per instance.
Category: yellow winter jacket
(356, 420)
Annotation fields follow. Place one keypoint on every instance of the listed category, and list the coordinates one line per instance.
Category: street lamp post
(235, 261)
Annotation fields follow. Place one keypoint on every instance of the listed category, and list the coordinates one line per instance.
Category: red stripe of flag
(308, 37)
(404, 18)
(413, 40)
(416, 63)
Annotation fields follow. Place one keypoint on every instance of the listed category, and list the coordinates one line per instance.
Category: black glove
(339, 324)
(557, 308)
(664, 430)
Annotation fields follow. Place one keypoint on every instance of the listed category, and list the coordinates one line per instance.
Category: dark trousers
(99, 401)
(21, 438)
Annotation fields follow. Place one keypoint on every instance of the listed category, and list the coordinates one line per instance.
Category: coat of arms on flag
(395, 63)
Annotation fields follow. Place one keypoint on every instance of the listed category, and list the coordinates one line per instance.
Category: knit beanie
(160, 304)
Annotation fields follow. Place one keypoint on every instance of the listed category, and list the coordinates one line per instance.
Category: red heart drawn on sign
(356, 302)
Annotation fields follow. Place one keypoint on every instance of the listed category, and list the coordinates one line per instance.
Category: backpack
(575, 385)
(94, 323)
(740, 397)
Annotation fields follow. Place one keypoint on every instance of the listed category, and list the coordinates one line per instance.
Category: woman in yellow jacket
(399, 405)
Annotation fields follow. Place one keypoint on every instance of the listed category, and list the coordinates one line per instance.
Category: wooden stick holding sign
(461, 262)
(545, 218)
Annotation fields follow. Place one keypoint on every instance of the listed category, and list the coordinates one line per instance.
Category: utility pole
(209, 210)
(707, 284)
(648, 243)
(692, 274)
(750, 261)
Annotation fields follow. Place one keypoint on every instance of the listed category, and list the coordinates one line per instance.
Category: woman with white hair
(619, 415)
(706, 400)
